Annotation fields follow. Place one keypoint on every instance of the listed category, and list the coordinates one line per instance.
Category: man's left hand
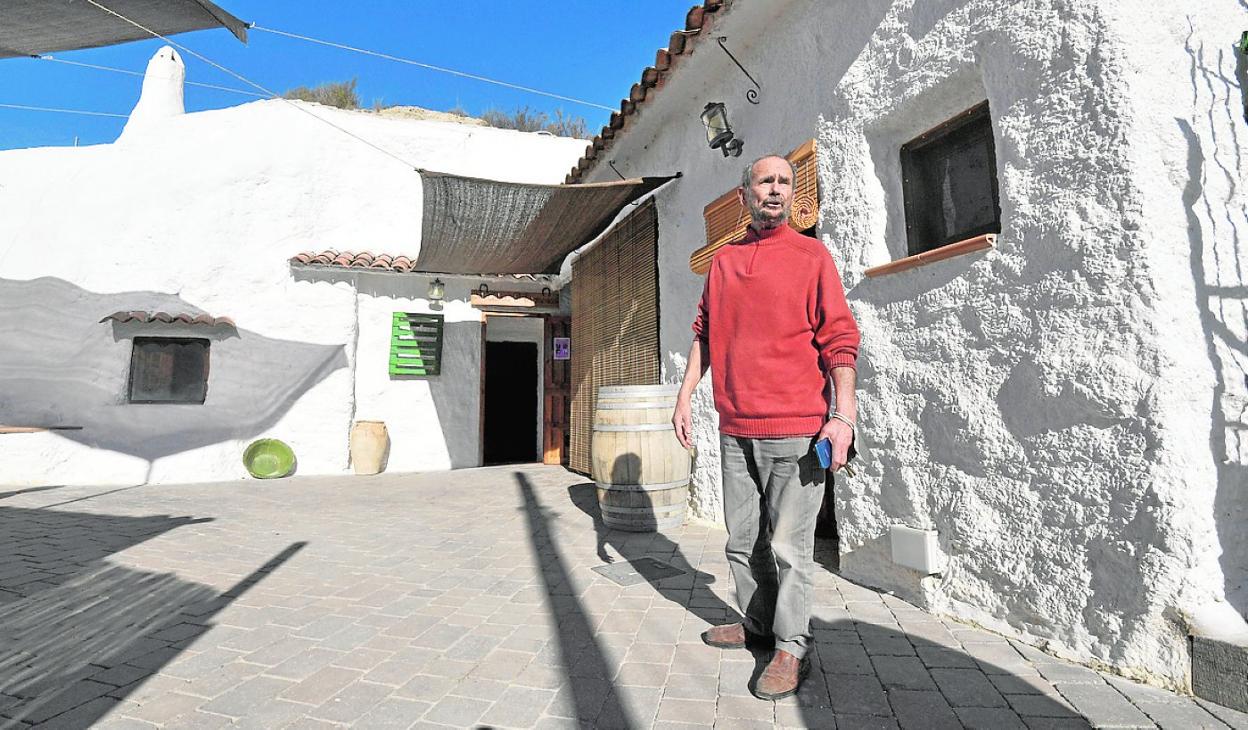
(840, 435)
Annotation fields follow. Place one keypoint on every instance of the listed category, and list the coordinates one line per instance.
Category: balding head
(767, 191)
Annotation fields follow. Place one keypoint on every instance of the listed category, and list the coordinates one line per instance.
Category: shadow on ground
(866, 673)
(78, 634)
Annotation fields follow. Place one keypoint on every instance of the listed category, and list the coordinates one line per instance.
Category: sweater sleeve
(836, 332)
(701, 322)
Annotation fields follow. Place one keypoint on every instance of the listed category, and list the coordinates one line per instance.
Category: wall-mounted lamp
(483, 290)
(437, 290)
(718, 132)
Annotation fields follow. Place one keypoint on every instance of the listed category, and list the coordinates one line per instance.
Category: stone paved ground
(459, 599)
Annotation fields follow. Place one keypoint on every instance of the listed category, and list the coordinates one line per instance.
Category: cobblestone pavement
(460, 599)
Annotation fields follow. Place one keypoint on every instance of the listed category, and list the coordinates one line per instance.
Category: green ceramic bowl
(269, 459)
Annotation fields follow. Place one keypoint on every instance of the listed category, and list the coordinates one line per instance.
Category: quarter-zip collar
(756, 238)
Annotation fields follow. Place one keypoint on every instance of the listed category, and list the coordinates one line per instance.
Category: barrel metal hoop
(640, 405)
(635, 427)
(671, 508)
(643, 487)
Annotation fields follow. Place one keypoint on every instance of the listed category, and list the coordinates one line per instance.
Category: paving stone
(746, 708)
(1070, 674)
(967, 688)
(324, 683)
(846, 659)
(939, 656)
(858, 695)
(1056, 723)
(1022, 683)
(989, 718)
(1233, 718)
(71, 697)
(239, 701)
(925, 710)
(1040, 705)
(164, 707)
(519, 707)
(1180, 716)
(457, 711)
(1102, 705)
(393, 713)
(351, 702)
(903, 672)
(271, 714)
(865, 722)
(83, 715)
(305, 664)
(691, 687)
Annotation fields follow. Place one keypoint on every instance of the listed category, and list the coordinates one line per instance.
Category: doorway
(510, 403)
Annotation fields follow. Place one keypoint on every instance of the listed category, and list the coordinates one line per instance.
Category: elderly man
(774, 328)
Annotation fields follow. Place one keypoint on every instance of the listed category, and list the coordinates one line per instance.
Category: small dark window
(169, 370)
(950, 182)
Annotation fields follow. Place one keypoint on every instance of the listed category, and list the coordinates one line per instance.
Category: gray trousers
(772, 492)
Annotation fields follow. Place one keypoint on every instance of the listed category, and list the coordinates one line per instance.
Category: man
(773, 326)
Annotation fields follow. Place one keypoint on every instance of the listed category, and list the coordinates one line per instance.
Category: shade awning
(476, 226)
(35, 27)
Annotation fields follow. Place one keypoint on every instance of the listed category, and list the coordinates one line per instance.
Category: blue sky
(587, 49)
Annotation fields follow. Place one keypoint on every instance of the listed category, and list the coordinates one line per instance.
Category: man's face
(770, 194)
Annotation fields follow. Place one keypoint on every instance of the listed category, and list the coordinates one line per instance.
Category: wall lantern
(718, 132)
(437, 290)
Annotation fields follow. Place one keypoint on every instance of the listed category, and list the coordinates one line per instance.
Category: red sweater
(774, 314)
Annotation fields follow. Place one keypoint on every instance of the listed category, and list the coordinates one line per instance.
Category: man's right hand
(682, 421)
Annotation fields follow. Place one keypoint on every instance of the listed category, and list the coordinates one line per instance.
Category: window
(168, 370)
(415, 344)
(950, 182)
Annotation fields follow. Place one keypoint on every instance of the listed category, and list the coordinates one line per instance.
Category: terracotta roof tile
(166, 318)
(697, 20)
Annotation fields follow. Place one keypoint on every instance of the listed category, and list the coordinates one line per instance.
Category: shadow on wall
(1228, 353)
(456, 391)
(1215, 233)
(77, 634)
(61, 366)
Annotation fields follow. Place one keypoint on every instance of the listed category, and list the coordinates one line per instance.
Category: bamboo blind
(615, 320)
(727, 219)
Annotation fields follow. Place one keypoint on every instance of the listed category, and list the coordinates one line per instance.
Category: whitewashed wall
(1048, 407)
(200, 213)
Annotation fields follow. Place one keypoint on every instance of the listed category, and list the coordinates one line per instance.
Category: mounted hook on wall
(751, 95)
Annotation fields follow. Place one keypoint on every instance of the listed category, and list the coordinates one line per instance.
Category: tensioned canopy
(475, 226)
(34, 27)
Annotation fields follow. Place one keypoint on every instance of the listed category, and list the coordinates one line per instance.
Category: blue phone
(823, 450)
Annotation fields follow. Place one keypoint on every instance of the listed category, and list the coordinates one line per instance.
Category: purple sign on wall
(563, 348)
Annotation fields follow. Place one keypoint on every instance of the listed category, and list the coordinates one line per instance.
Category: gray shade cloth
(475, 226)
(34, 27)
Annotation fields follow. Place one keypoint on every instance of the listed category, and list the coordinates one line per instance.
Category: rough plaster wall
(1190, 93)
(201, 213)
(1034, 404)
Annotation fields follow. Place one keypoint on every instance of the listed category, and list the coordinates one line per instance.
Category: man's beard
(763, 218)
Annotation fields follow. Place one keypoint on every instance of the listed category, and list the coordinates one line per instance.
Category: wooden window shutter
(615, 321)
(727, 219)
(415, 344)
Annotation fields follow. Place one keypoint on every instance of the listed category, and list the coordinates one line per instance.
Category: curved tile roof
(698, 22)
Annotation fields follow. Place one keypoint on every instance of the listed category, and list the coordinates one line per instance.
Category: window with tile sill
(949, 184)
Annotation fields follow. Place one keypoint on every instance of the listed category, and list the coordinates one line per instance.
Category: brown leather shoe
(728, 636)
(782, 677)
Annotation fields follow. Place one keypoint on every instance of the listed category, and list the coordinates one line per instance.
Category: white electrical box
(917, 549)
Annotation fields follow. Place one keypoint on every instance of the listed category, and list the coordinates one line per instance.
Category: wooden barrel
(641, 470)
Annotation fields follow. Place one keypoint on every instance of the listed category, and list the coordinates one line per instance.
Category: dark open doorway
(510, 402)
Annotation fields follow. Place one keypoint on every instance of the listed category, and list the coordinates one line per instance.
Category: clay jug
(370, 444)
